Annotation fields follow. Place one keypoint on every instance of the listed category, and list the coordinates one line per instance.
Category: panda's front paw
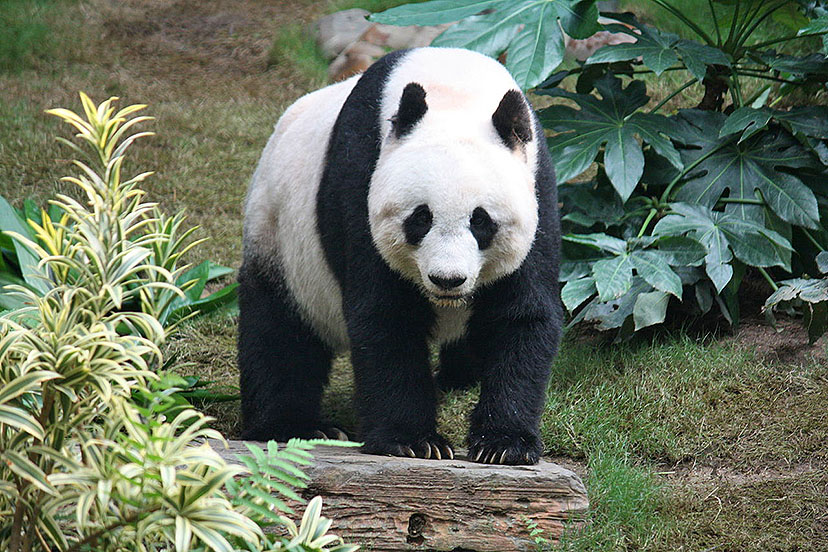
(494, 448)
(433, 446)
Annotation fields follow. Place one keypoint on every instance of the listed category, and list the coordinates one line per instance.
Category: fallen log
(388, 503)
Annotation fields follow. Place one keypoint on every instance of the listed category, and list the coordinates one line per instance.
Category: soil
(213, 43)
(785, 344)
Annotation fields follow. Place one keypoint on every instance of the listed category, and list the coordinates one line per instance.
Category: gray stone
(336, 31)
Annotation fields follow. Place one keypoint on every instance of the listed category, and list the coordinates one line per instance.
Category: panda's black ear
(412, 108)
(512, 120)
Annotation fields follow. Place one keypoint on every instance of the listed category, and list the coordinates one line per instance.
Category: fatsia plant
(660, 208)
(529, 29)
(83, 467)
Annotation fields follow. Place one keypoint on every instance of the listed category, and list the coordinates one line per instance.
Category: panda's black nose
(447, 283)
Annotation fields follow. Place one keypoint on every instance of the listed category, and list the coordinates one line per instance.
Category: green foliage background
(667, 212)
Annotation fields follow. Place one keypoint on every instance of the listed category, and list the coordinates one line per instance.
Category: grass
(372, 6)
(26, 33)
(294, 45)
(683, 445)
(639, 410)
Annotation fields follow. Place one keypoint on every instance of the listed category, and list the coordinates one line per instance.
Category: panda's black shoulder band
(512, 121)
(412, 108)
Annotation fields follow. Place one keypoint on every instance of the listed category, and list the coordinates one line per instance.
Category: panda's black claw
(330, 434)
(434, 446)
(494, 447)
(338, 434)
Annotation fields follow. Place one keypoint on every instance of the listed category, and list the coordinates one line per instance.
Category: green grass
(372, 6)
(635, 410)
(26, 34)
(295, 46)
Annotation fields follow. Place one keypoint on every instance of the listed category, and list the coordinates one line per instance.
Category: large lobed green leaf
(612, 277)
(613, 121)
(659, 50)
(528, 30)
(745, 171)
(724, 236)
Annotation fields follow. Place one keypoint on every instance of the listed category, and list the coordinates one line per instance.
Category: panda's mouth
(449, 300)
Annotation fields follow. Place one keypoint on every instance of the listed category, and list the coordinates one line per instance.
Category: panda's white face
(452, 215)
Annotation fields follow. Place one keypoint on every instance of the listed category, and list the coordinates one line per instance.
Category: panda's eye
(482, 227)
(417, 224)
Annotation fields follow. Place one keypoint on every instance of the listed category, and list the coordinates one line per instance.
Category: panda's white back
(280, 208)
(463, 89)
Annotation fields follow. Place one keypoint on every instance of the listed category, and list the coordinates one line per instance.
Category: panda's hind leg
(283, 365)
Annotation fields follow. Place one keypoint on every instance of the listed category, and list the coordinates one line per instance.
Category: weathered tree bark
(389, 503)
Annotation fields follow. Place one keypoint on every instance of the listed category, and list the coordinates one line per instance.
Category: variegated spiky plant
(81, 466)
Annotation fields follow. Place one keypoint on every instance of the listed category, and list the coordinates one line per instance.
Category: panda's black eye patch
(417, 224)
(483, 228)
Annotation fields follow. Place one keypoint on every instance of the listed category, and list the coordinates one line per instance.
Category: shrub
(82, 467)
(680, 206)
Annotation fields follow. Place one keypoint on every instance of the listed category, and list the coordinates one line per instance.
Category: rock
(336, 31)
(377, 40)
(389, 503)
(582, 49)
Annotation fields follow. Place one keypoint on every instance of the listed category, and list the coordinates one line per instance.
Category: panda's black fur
(511, 338)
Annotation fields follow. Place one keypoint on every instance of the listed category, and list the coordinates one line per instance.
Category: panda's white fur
(453, 161)
(280, 209)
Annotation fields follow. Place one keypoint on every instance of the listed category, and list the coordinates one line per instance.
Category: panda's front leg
(395, 392)
(517, 355)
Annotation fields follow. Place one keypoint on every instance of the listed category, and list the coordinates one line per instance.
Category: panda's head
(452, 202)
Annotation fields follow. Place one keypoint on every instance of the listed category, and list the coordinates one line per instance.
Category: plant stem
(649, 218)
(759, 21)
(767, 277)
(689, 23)
(736, 90)
(673, 95)
(813, 240)
(16, 542)
(733, 23)
(764, 76)
(747, 20)
(715, 24)
(784, 39)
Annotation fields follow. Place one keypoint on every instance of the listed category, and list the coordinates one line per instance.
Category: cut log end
(390, 503)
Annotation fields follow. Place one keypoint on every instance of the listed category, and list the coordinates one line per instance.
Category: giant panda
(413, 205)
